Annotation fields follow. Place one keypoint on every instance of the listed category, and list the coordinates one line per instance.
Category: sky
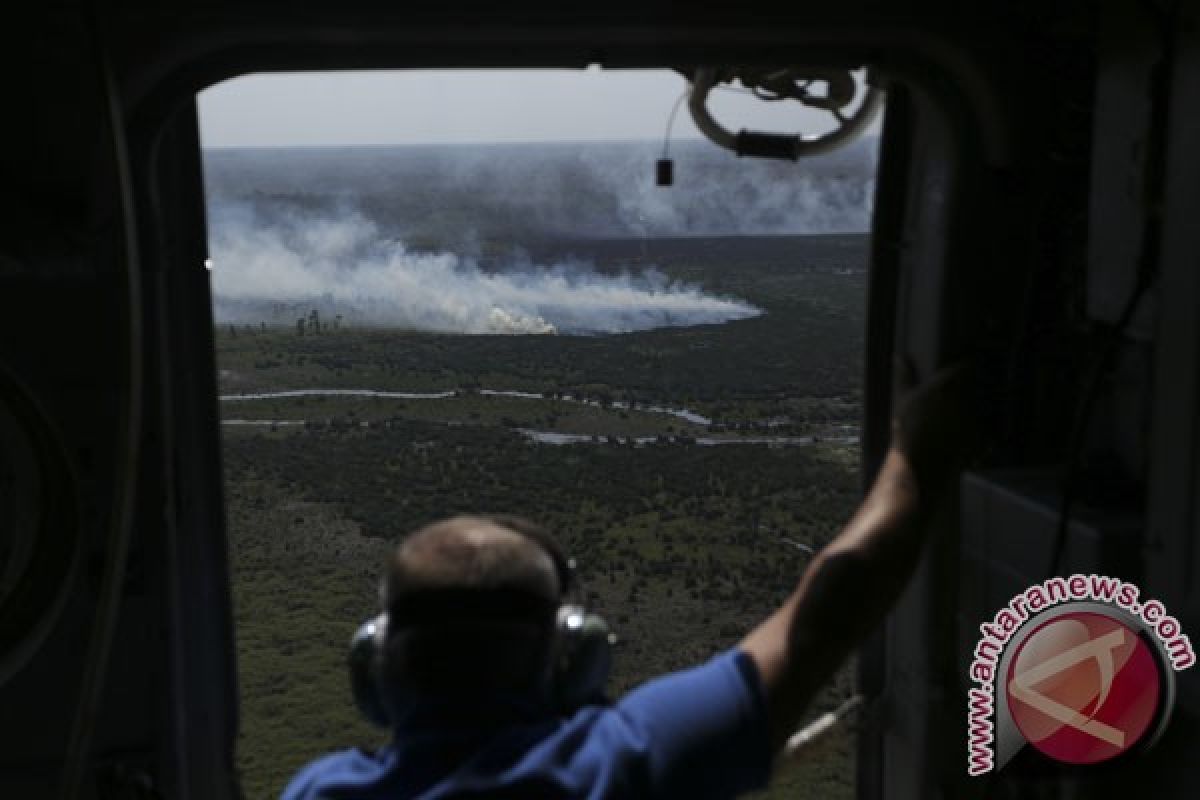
(468, 106)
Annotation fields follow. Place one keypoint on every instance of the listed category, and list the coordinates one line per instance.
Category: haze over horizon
(368, 108)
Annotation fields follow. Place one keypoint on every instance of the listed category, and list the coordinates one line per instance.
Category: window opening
(457, 291)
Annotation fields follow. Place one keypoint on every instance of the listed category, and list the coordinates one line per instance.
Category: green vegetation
(681, 546)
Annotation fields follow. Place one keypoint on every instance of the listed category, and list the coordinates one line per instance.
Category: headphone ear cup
(365, 661)
(583, 659)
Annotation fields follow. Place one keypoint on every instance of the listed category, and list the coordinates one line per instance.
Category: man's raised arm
(851, 584)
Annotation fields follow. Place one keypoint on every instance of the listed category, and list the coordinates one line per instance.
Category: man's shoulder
(341, 768)
(699, 732)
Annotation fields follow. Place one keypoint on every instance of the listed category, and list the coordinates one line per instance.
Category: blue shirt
(699, 733)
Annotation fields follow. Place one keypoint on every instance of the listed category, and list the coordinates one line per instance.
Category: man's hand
(933, 424)
(853, 582)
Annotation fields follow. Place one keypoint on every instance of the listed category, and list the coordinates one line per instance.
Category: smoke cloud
(277, 270)
(409, 236)
(525, 193)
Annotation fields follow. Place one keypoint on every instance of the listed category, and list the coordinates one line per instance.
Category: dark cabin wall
(1171, 413)
(63, 306)
(1133, 480)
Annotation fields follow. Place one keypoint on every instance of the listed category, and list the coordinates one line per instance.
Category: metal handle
(782, 146)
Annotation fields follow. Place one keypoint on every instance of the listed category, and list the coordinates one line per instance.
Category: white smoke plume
(342, 264)
(523, 193)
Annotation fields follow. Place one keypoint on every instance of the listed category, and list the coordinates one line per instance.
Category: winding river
(681, 413)
(555, 437)
(544, 437)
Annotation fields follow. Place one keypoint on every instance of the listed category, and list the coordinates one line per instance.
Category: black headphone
(580, 651)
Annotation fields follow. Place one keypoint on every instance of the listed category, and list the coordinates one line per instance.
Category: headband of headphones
(476, 604)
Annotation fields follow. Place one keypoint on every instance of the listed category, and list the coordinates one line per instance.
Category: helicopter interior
(1033, 213)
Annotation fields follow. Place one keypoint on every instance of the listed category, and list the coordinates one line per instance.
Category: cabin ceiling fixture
(852, 104)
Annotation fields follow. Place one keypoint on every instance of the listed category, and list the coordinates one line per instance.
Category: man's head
(471, 603)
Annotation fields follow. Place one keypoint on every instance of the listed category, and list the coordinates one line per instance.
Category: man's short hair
(471, 602)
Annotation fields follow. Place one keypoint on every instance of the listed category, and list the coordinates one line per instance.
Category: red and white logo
(1084, 687)
(1081, 668)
